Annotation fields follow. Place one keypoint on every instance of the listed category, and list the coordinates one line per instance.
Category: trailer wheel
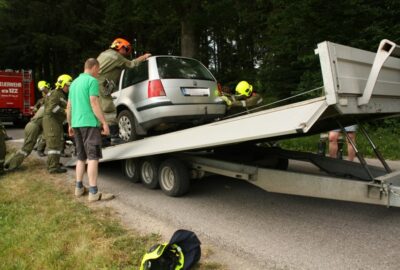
(126, 124)
(149, 172)
(130, 168)
(174, 177)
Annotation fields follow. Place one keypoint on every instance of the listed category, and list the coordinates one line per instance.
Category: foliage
(386, 138)
(43, 227)
(267, 42)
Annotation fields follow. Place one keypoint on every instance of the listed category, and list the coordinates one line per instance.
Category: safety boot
(40, 153)
(114, 134)
(14, 161)
(58, 170)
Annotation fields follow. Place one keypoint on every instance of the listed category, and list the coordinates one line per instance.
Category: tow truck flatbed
(358, 86)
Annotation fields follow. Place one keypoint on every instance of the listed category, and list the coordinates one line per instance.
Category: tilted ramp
(296, 118)
(358, 85)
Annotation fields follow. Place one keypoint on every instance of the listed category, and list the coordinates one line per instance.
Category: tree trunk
(189, 40)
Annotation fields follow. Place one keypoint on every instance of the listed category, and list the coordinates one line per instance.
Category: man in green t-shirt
(86, 122)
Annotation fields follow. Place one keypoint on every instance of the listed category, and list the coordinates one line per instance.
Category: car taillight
(155, 89)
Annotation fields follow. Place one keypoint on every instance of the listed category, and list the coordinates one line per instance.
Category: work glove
(227, 100)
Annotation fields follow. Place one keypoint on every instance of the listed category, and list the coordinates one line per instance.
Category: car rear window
(182, 68)
(135, 75)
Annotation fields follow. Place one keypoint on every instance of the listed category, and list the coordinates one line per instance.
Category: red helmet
(119, 43)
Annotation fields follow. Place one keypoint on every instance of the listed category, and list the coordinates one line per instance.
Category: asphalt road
(245, 227)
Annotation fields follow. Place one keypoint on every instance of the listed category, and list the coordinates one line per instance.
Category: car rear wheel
(149, 172)
(173, 177)
(126, 124)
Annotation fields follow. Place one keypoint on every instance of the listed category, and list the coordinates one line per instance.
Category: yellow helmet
(63, 80)
(163, 256)
(42, 85)
(243, 89)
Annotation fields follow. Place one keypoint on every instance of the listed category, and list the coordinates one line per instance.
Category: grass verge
(42, 226)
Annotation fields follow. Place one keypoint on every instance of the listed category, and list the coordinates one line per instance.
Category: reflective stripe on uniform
(63, 100)
(53, 152)
(22, 152)
(56, 109)
(110, 116)
(243, 103)
(259, 101)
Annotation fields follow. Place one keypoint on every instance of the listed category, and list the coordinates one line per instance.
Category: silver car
(166, 93)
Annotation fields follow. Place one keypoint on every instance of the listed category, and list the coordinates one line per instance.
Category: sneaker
(80, 191)
(58, 170)
(99, 196)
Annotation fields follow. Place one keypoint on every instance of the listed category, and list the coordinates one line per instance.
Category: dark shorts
(88, 143)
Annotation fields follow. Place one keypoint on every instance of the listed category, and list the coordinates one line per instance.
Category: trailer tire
(127, 126)
(174, 178)
(149, 172)
(130, 167)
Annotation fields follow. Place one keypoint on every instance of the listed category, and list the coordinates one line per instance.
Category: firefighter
(112, 61)
(31, 133)
(54, 116)
(244, 99)
(2, 146)
(44, 88)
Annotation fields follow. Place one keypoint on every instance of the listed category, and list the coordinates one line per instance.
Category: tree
(51, 38)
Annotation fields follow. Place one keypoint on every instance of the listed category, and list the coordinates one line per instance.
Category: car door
(132, 86)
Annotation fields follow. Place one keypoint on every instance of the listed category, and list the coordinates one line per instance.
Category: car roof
(172, 56)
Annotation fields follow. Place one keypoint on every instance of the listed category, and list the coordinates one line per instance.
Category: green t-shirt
(80, 91)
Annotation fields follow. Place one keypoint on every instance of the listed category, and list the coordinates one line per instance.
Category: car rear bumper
(180, 114)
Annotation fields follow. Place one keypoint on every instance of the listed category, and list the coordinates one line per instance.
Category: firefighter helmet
(243, 89)
(63, 80)
(121, 43)
(163, 256)
(42, 85)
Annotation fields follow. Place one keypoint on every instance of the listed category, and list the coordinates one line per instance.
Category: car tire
(127, 126)
(173, 177)
(149, 172)
(130, 168)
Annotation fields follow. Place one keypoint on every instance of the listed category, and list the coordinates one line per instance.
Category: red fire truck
(17, 95)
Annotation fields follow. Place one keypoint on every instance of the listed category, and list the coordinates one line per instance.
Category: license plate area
(195, 91)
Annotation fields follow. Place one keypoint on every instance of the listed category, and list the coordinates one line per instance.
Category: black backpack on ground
(190, 245)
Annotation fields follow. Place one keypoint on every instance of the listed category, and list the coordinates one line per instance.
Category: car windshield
(182, 68)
